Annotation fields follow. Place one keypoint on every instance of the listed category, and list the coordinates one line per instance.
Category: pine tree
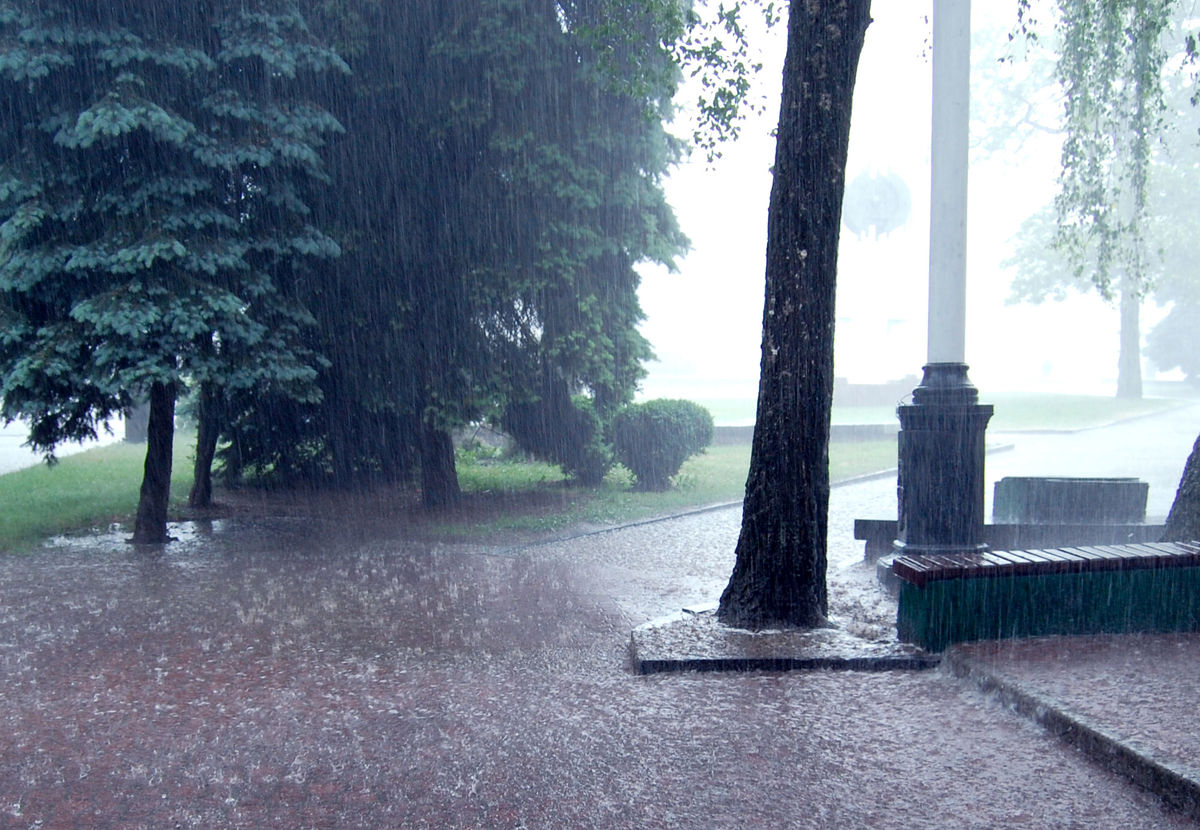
(156, 162)
(495, 188)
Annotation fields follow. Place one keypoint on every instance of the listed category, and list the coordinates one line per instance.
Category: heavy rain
(396, 435)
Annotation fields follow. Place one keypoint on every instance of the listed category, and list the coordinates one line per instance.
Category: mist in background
(705, 321)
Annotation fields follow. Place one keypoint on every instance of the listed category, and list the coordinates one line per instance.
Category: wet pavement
(325, 672)
(1152, 448)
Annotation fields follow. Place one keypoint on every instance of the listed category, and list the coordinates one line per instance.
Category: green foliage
(1168, 228)
(500, 179)
(1110, 67)
(1175, 341)
(1124, 222)
(154, 171)
(715, 49)
(91, 490)
(707, 41)
(654, 438)
(562, 429)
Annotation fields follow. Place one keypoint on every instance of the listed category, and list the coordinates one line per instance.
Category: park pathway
(319, 673)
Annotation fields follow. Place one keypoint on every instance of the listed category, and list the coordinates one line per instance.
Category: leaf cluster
(1110, 67)
(654, 438)
(155, 169)
(500, 178)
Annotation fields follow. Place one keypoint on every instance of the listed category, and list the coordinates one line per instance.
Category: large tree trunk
(135, 422)
(208, 429)
(150, 526)
(779, 576)
(439, 478)
(1129, 360)
(1183, 522)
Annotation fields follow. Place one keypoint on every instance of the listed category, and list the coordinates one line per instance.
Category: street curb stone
(1176, 783)
(698, 642)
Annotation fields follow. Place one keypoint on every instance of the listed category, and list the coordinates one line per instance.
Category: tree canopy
(155, 170)
(500, 178)
(496, 177)
(1110, 66)
(1121, 223)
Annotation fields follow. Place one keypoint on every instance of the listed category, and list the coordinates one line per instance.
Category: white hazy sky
(705, 320)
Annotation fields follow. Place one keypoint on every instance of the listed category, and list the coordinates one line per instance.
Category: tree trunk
(439, 478)
(208, 430)
(135, 422)
(150, 526)
(1183, 522)
(1129, 360)
(779, 576)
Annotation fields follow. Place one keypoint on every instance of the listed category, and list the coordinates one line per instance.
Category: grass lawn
(98, 488)
(1013, 411)
(1063, 412)
(717, 476)
(90, 489)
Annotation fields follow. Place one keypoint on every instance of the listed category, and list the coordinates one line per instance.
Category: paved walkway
(1153, 449)
(325, 673)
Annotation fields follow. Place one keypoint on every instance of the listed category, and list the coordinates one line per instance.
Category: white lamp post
(941, 443)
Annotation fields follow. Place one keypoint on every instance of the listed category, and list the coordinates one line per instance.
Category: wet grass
(93, 489)
(715, 477)
(98, 488)
(1013, 411)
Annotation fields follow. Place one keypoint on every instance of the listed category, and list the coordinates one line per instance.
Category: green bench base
(1046, 592)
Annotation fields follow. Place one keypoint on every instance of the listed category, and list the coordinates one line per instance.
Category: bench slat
(1158, 557)
(1173, 553)
(1100, 557)
(920, 569)
(1076, 560)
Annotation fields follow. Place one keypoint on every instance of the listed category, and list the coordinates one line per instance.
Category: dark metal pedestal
(941, 477)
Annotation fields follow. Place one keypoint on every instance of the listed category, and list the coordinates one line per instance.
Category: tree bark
(1183, 522)
(135, 422)
(208, 430)
(439, 478)
(150, 526)
(1129, 358)
(779, 575)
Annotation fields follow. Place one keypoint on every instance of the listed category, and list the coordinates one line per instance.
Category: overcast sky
(705, 321)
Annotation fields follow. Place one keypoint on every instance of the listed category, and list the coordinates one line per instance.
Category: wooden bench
(880, 535)
(1152, 586)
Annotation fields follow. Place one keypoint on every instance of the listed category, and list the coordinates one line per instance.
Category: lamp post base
(940, 484)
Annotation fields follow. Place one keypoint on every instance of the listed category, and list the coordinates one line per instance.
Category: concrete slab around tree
(694, 640)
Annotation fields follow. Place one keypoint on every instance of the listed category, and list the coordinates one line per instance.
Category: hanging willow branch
(1111, 71)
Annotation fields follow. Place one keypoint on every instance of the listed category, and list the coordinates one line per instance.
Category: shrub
(562, 429)
(654, 438)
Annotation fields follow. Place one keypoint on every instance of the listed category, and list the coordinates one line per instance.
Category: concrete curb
(695, 641)
(783, 664)
(1176, 783)
(682, 514)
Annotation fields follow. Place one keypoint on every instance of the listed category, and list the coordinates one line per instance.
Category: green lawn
(716, 476)
(1063, 412)
(97, 488)
(92, 489)
(1013, 411)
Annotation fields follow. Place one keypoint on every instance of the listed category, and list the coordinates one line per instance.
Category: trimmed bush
(564, 430)
(654, 438)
